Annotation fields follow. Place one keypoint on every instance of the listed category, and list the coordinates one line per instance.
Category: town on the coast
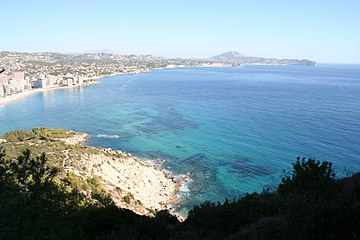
(19, 82)
(21, 72)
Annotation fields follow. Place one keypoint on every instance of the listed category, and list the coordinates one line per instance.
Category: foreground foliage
(310, 203)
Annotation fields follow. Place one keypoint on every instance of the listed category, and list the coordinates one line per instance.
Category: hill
(228, 56)
(131, 184)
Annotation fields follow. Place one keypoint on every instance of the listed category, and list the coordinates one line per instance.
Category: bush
(52, 133)
(309, 177)
(19, 136)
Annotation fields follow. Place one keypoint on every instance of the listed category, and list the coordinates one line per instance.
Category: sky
(320, 30)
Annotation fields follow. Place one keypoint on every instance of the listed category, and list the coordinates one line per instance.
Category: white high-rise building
(19, 75)
(4, 79)
(80, 80)
(27, 83)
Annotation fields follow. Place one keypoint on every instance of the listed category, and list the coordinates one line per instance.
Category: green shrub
(19, 136)
(52, 133)
(309, 176)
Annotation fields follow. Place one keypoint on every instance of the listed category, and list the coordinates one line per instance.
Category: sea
(233, 130)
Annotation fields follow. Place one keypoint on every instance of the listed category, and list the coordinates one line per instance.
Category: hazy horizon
(124, 53)
(322, 31)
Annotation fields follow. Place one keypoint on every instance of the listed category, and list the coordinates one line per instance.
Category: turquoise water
(233, 129)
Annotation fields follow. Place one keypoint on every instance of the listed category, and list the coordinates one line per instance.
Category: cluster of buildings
(20, 82)
(89, 65)
(17, 83)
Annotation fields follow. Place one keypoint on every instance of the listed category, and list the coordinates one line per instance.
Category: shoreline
(132, 183)
(145, 184)
(14, 97)
(9, 99)
(123, 176)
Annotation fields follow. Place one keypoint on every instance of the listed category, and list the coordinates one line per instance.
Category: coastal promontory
(237, 58)
(129, 182)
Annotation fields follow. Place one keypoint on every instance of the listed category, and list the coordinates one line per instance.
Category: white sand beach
(17, 96)
(20, 95)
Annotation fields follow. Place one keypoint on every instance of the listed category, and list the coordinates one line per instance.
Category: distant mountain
(227, 56)
(237, 58)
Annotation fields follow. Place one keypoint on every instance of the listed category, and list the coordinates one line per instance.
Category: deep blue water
(233, 129)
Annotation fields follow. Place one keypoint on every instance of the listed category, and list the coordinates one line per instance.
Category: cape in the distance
(239, 58)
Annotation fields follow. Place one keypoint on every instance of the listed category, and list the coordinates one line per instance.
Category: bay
(233, 130)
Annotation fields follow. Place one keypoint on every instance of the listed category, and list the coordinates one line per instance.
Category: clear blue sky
(321, 30)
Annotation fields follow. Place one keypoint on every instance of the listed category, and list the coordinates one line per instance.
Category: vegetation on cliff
(35, 203)
(132, 184)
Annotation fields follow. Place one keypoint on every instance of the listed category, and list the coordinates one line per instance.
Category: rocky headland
(130, 183)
